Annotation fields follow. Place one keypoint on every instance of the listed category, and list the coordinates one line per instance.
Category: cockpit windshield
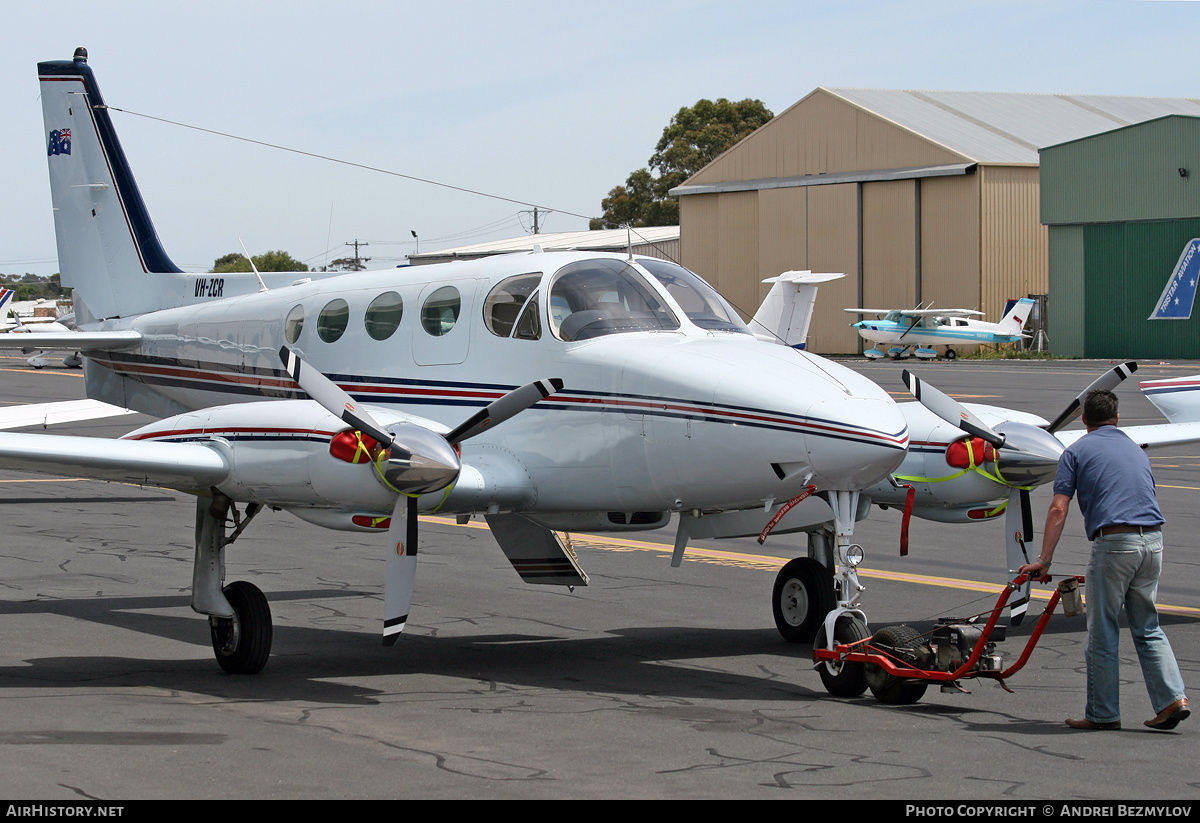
(699, 301)
(593, 298)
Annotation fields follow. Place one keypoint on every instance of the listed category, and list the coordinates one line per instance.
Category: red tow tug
(898, 663)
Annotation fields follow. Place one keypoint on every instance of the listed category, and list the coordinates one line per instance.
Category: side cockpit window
(513, 304)
(699, 301)
(593, 298)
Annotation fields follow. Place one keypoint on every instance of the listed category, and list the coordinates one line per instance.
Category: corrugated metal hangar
(655, 241)
(1122, 207)
(916, 196)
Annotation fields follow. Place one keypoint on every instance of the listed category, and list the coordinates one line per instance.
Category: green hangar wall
(1121, 206)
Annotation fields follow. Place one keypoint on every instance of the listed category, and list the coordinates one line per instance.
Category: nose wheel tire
(951, 354)
(902, 643)
(844, 679)
(242, 643)
(802, 596)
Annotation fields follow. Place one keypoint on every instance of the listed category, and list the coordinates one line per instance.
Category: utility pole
(358, 263)
(536, 225)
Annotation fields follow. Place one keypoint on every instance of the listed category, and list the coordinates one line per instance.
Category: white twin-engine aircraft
(546, 392)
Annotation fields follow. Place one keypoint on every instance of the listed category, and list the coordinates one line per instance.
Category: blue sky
(546, 103)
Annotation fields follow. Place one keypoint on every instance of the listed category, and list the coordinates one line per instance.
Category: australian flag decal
(60, 142)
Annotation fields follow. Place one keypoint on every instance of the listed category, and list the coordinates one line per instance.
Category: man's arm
(1055, 518)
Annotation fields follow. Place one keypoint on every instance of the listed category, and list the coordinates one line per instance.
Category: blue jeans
(1124, 569)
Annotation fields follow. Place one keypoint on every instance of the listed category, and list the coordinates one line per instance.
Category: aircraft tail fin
(786, 311)
(6, 296)
(1017, 316)
(108, 250)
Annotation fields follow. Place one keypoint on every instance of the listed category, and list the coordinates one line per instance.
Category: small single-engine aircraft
(929, 327)
(544, 391)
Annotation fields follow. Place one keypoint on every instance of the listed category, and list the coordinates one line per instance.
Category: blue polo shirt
(1112, 478)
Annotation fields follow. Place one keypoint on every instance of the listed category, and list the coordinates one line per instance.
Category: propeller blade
(503, 408)
(950, 410)
(400, 572)
(1018, 527)
(1107, 381)
(332, 398)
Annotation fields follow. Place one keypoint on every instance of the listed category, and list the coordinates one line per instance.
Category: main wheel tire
(242, 643)
(802, 596)
(951, 354)
(903, 643)
(844, 679)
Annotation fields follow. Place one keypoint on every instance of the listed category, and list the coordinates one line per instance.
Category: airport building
(916, 196)
(1122, 207)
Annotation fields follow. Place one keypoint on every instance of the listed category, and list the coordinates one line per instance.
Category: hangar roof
(601, 240)
(1003, 127)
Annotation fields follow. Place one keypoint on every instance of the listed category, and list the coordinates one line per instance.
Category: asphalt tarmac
(651, 682)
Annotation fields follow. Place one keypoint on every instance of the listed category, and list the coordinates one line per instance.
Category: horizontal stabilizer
(48, 414)
(537, 553)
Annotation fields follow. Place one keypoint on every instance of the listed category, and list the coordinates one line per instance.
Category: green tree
(349, 264)
(695, 137)
(267, 261)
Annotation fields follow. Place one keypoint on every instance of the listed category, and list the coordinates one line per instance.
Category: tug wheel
(844, 679)
(903, 643)
(802, 596)
(242, 643)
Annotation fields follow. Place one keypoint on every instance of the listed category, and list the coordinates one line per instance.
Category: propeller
(949, 409)
(1018, 528)
(1026, 456)
(1107, 382)
(419, 460)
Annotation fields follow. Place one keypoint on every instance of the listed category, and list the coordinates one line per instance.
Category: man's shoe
(1089, 726)
(1169, 717)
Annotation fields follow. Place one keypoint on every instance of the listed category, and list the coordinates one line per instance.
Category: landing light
(854, 555)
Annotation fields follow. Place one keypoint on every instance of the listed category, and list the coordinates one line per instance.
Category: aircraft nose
(856, 440)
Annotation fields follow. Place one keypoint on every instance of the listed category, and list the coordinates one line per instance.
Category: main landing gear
(239, 617)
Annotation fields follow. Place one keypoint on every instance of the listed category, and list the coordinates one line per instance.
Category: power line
(342, 162)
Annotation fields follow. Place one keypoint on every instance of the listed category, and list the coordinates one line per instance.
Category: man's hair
(1100, 408)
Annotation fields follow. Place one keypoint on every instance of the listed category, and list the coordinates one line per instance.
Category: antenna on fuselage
(254, 268)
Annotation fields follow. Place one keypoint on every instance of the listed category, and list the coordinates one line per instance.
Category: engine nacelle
(294, 453)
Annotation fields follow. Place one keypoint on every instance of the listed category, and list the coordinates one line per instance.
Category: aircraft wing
(921, 312)
(48, 414)
(182, 466)
(73, 340)
(1154, 436)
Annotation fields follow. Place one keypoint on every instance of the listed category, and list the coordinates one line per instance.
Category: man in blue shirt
(1112, 477)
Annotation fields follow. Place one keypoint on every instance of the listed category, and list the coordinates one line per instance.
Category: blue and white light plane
(923, 329)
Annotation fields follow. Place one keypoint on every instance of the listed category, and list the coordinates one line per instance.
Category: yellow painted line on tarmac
(769, 563)
(1165, 486)
(43, 373)
(50, 480)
